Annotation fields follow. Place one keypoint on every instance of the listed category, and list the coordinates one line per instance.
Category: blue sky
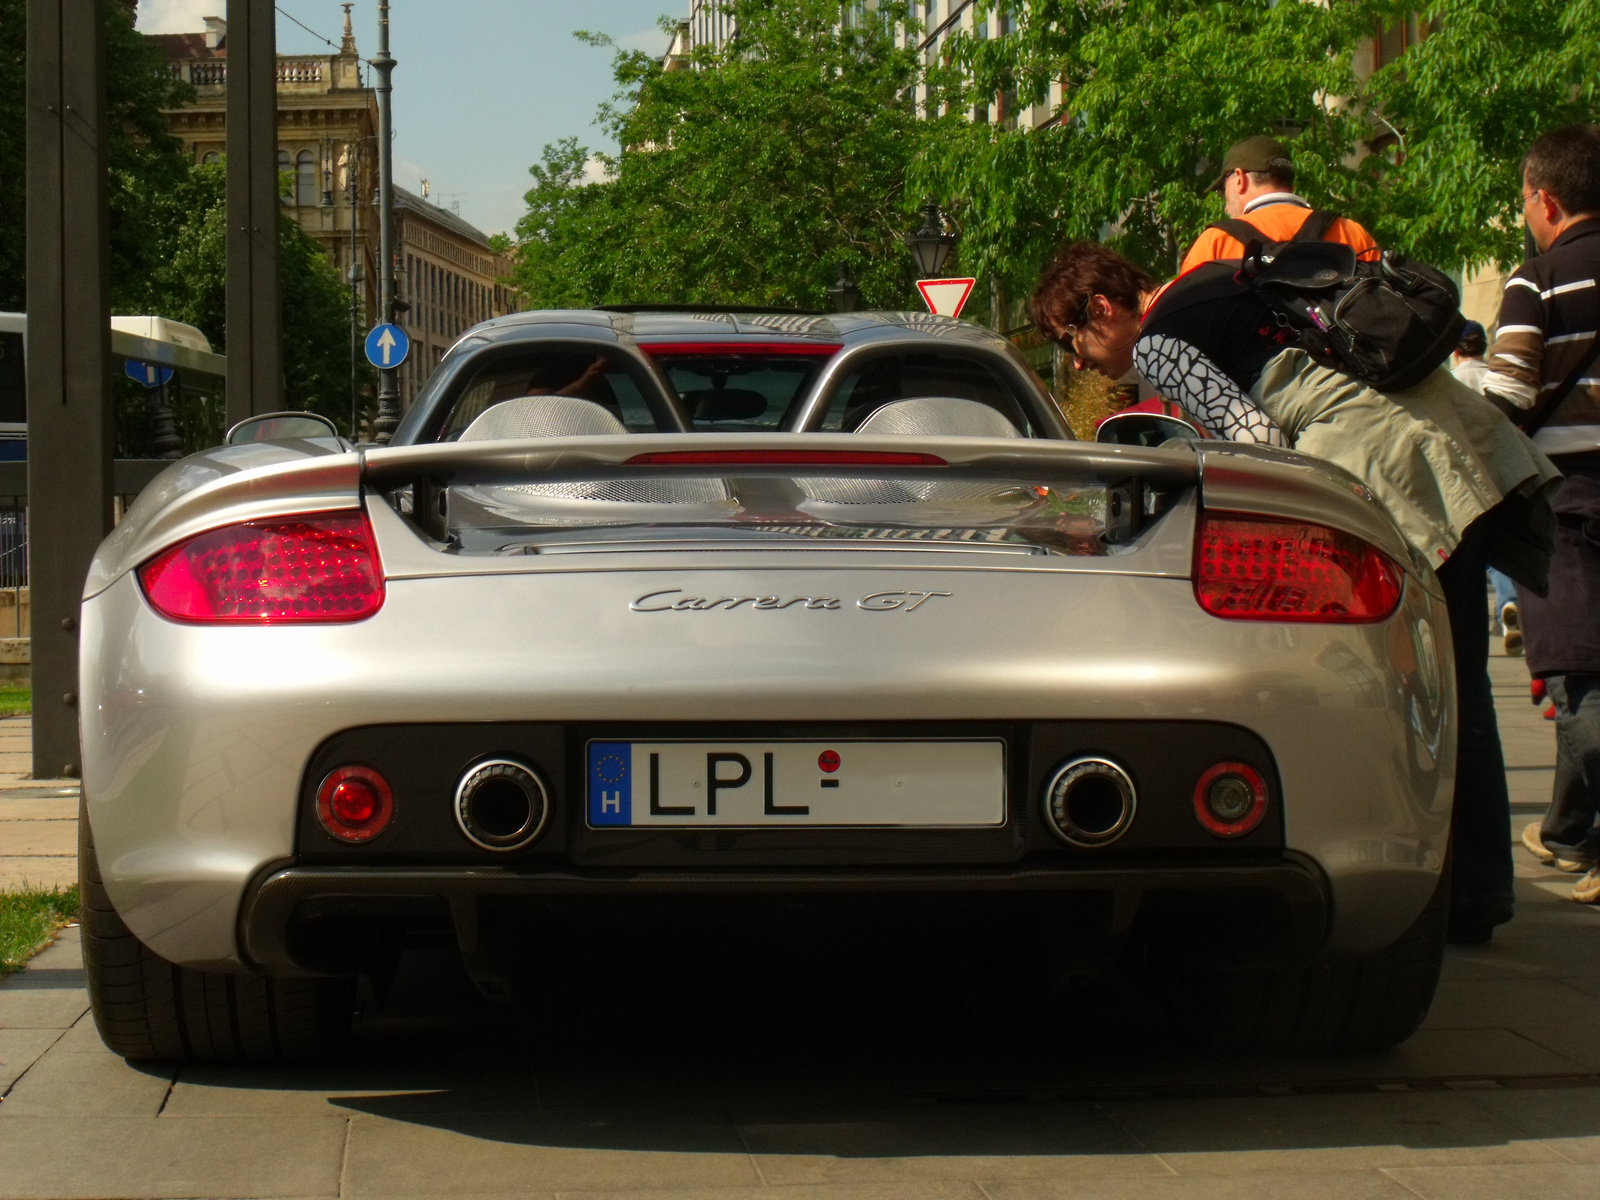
(481, 85)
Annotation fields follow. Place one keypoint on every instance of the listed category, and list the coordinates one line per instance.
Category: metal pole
(254, 315)
(70, 432)
(383, 63)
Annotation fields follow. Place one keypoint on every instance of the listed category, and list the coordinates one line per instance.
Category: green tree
(190, 285)
(1153, 92)
(144, 158)
(751, 178)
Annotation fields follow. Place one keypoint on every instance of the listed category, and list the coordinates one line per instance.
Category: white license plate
(839, 783)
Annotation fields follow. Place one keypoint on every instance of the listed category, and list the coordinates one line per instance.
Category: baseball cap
(1255, 154)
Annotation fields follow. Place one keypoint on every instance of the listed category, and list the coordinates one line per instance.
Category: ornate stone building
(327, 144)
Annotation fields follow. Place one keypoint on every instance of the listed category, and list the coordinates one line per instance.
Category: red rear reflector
(1250, 568)
(784, 458)
(1230, 799)
(320, 567)
(802, 349)
(355, 804)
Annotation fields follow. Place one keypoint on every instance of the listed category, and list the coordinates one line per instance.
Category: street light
(844, 293)
(931, 245)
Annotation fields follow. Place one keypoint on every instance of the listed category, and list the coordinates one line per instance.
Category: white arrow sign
(386, 344)
(945, 297)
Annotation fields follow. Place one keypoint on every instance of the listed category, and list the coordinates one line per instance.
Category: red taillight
(784, 458)
(1230, 799)
(1251, 568)
(355, 804)
(321, 567)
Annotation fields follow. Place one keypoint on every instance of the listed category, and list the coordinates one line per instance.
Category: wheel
(1364, 1003)
(148, 1008)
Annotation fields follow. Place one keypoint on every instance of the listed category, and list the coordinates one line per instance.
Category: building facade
(327, 146)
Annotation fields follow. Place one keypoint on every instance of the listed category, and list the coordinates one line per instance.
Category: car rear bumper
(300, 920)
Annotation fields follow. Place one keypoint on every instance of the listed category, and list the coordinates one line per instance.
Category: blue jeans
(1569, 825)
(1505, 592)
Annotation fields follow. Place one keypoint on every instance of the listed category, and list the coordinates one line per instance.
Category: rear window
(881, 381)
(584, 376)
(740, 392)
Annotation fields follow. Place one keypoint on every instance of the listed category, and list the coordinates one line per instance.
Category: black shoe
(1475, 926)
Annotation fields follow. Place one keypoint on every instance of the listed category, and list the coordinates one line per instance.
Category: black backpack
(1388, 323)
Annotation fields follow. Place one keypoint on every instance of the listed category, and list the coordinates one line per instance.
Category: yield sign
(945, 297)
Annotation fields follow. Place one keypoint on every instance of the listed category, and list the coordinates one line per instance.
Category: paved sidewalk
(38, 817)
(718, 1074)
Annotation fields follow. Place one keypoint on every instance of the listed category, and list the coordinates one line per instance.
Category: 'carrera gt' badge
(676, 600)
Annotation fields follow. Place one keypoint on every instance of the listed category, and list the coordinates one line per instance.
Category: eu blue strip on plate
(610, 783)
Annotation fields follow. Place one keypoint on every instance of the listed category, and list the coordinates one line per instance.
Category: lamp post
(843, 292)
(383, 63)
(931, 246)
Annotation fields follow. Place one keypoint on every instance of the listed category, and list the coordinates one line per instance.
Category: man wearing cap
(1257, 185)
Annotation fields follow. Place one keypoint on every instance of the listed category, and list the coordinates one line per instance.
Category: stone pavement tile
(507, 1154)
(994, 1142)
(1427, 1054)
(1565, 1119)
(40, 872)
(68, 1081)
(405, 1092)
(1544, 1182)
(73, 1155)
(1477, 1004)
(1302, 1134)
(38, 808)
(922, 1189)
(1578, 1040)
(42, 1002)
(19, 1050)
(20, 839)
(1321, 1185)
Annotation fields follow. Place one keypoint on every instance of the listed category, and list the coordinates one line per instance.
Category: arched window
(285, 164)
(305, 178)
(209, 157)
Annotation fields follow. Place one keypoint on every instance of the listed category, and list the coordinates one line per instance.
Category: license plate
(886, 783)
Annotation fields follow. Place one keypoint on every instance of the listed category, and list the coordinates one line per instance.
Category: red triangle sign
(945, 297)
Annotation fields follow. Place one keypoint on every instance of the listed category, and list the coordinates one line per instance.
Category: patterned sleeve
(1181, 373)
(1516, 360)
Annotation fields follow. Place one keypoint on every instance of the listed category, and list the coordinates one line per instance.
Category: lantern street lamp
(931, 245)
(844, 293)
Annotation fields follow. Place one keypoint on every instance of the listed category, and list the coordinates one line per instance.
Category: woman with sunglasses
(1462, 484)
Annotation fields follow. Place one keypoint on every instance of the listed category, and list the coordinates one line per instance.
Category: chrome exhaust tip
(1090, 802)
(501, 804)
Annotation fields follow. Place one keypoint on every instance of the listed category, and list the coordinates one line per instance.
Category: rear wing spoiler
(837, 455)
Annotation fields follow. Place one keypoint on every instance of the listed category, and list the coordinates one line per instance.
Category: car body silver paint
(196, 737)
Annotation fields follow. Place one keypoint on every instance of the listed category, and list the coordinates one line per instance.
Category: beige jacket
(1438, 456)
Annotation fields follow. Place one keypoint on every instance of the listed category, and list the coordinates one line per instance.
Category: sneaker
(1510, 618)
(1587, 889)
(1563, 861)
(1512, 642)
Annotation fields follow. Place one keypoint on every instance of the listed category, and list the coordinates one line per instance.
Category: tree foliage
(1424, 151)
(750, 178)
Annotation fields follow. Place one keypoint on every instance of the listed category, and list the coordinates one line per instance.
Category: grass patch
(28, 917)
(16, 698)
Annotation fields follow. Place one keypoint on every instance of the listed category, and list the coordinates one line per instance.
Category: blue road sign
(148, 375)
(387, 346)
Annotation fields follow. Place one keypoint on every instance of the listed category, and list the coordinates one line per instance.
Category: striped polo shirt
(1548, 317)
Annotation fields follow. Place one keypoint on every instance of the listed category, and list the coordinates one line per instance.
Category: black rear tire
(1370, 1002)
(148, 1008)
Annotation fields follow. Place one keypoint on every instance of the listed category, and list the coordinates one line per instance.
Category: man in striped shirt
(1542, 369)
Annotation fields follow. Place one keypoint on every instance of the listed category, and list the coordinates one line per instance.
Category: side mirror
(1144, 429)
(279, 427)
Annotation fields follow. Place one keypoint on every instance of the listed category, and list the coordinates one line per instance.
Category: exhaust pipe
(501, 804)
(1090, 802)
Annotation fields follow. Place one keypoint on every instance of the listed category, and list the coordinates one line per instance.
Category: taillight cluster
(322, 567)
(1251, 568)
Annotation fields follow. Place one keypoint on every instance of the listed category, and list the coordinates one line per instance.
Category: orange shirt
(1278, 223)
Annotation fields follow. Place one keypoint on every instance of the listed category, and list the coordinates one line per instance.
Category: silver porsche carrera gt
(735, 610)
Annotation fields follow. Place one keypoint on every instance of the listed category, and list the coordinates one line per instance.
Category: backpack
(1390, 323)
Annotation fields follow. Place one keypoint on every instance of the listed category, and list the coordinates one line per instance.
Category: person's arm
(1516, 359)
(1358, 239)
(1211, 398)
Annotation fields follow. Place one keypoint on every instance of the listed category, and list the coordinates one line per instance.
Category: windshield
(745, 392)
